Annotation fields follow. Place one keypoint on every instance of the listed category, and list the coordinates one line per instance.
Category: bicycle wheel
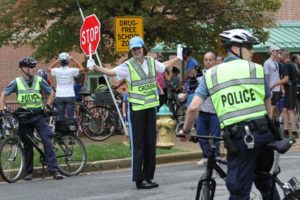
(206, 190)
(70, 154)
(295, 195)
(11, 160)
(98, 124)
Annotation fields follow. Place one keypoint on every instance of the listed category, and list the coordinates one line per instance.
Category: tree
(53, 26)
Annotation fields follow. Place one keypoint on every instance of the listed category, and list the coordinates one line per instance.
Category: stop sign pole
(105, 77)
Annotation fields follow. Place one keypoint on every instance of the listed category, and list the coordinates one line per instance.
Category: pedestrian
(27, 86)
(139, 73)
(207, 121)
(289, 82)
(271, 68)
(219, 60)
(240, 95)
(65, 95)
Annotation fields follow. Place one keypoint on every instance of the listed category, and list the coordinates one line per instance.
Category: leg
(45, 133)
(70, 107)
(150, 144)
(137, 124)
(60, 106)
(28, 147)
(202, 128)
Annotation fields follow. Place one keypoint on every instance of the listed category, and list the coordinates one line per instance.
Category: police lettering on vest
(30, 98)
(238, 97)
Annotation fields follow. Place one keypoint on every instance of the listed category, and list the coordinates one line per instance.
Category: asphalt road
(177, 182)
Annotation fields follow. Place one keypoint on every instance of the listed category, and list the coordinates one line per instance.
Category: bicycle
(8, 125)
(176, 107)
(207, 185)
(69, 150)
(95, 121)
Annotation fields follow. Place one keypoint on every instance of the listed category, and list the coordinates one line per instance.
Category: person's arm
(92, 66)
(54, 64)
(191, 113)
(8, 90)
(2, 100)
(281, 82)
(172, 62)
(50, 98)
(81, 68)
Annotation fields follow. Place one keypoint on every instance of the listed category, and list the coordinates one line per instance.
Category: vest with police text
(29, 97)
(237, 91)
(142, 90)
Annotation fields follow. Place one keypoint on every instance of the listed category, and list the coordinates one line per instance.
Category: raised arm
(53, 65)
(81, 68)
(92, 66)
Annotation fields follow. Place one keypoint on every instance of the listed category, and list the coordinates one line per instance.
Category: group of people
(31, 88)
(233, 96)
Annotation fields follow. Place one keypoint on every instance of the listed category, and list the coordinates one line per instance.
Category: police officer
(240, 96)
(139, 73)
(28, 89)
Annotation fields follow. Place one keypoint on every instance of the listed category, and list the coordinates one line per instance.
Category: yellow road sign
(127, 27)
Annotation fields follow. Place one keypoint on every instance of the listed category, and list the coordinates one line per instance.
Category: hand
(179, 52)
(90, 64)
(184, 136)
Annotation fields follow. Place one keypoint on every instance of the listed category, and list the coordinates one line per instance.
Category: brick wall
(289, 11)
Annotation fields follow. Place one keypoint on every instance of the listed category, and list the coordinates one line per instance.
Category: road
(177, 182)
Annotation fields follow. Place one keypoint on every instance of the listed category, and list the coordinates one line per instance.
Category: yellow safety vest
(237, 90)
(29, 97)
(142, 90)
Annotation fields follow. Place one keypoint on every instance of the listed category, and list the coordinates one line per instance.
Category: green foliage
(53, 26)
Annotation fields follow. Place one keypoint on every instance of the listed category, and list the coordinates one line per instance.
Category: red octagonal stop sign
(90, 34)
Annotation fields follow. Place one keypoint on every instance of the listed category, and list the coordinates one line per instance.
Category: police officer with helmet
(28, 88)
(240, 96)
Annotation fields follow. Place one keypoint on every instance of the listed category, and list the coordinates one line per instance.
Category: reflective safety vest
(29, 97)
(237, 91)
(142, 90)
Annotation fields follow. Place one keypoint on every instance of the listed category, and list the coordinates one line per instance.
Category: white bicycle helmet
(64, 57)
(237, 36)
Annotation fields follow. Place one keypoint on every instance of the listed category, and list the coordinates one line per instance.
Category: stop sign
(90, 34)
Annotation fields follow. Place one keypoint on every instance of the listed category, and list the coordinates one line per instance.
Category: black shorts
(275, 98)
(290, 97)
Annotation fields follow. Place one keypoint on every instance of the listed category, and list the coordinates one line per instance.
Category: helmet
(27, 62)
(64, 57)
(237, 36)
(136, 42)
(42, 74)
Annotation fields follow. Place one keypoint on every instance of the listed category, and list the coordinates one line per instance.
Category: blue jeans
(208, 124)
(65, 105)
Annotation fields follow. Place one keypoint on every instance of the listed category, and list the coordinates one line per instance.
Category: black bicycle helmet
(237, 36)
(27, 62)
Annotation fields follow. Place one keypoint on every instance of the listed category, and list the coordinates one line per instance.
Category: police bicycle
(69, 150)
(207, 185)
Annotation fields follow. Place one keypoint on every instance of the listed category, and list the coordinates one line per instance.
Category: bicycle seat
(84, 93)
(283, 145)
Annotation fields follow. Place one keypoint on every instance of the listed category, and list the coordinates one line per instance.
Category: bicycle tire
(295, 195)
(70, 154)
(206, 190)
(11, 160)
(99, 123)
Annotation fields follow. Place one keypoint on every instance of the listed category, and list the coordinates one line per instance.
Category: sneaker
(28, 177)
(202, 162)
(56, 175)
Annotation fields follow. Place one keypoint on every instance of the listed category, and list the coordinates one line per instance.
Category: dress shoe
(154, 185)
(57, 175)
(28, 177)
(143, 185)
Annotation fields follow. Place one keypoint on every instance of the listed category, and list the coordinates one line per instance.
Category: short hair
(294, 57)
(210, 52)
(284, 53)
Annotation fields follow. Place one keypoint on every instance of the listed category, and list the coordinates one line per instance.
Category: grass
(110, 152)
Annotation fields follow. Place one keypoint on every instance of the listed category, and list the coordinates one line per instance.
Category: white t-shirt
(272, 73)
(65, 81)
(122, 70)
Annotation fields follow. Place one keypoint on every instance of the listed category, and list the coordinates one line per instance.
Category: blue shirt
(12, 87)
(202, 90)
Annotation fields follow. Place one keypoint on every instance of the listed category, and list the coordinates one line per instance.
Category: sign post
(126, 28)
(89, 40)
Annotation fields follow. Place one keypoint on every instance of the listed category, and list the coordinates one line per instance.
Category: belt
(259, 125)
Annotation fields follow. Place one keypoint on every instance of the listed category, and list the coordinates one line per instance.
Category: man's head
(239, 42)
(209, 59)
(285, 55)
(219, 60)
(27, 65)
(137, 47)
(296, 59)
(64, 58)
(186, 53)
(274, 52)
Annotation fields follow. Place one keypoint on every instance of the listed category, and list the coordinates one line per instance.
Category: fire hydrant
(165, 127)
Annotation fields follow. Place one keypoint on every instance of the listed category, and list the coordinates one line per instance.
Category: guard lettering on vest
(233, 98)
(148, 89)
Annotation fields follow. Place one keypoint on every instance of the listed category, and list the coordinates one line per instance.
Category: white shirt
(122, 70)
(272, 73)
(65, 81)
